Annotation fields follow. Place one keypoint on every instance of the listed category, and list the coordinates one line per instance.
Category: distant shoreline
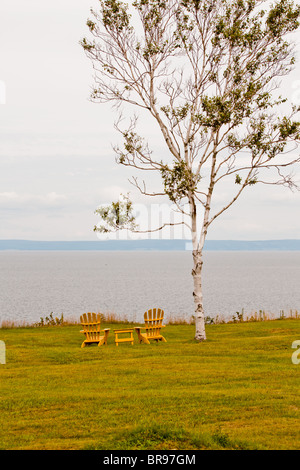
(149, 245)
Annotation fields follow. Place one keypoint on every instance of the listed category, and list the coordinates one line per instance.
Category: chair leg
(145, 340)
(142, 338)
(138, 331)
(102, 341)
(106, 337)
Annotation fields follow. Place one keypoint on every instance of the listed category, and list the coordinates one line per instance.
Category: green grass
(237, 390)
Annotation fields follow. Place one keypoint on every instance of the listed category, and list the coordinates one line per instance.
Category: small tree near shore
(207, 72)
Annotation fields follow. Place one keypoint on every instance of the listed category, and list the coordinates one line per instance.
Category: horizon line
(147, 239)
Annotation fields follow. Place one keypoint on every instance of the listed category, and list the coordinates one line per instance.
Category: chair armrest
(106, 329)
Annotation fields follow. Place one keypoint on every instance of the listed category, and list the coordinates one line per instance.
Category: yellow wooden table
(127, 339)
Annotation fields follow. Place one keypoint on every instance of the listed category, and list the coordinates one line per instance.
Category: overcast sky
(56, 160)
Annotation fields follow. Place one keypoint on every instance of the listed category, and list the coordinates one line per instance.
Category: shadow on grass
(161, 437)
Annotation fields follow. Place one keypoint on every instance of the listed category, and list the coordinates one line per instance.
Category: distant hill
(154, 245)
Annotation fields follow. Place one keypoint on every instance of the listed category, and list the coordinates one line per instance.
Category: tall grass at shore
(113, 318)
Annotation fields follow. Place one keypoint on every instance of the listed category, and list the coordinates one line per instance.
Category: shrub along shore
(112, 318)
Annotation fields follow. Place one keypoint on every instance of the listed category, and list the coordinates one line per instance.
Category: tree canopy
(208, 73)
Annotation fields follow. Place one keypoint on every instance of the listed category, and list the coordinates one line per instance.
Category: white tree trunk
(200, 334)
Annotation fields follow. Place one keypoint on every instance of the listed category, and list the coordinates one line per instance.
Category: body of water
(35, 283)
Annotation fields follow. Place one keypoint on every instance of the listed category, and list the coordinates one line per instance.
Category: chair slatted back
(153, 321)
(91, 325)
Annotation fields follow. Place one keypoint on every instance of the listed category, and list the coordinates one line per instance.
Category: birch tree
(208, 74)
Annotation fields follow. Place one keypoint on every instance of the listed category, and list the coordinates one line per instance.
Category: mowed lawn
(237, 390)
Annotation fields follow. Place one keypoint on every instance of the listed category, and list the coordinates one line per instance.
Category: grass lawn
(237, 390)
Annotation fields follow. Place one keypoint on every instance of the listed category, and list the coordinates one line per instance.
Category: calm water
(33, 284)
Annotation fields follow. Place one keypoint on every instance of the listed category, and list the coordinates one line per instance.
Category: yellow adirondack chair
(153, 324)
(91, 329)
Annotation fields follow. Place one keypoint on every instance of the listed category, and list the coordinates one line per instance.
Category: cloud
(56, 158)
(12, 201)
